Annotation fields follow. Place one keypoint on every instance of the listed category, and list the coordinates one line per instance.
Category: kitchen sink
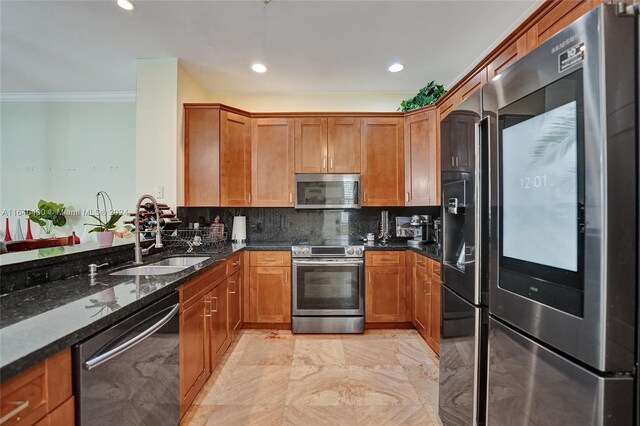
(163, 267)
(180, 261)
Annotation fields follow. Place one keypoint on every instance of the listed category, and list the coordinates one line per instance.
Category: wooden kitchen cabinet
(235, 160)
(382, 165)
(195, 366)
(311, 154)
(385, 286)
(272, 172)
(433, 336)
(219, 337)
(327, 145)
(234, 291)
(270, 287)
(457, 136)
(39, 392)
(422, 159)
(343, 148)
(426, 300)
(420, 288)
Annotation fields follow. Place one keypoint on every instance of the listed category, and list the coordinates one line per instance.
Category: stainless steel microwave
(327, 191)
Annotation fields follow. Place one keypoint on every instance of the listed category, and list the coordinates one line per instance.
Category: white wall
(66, 152)
(315, 102)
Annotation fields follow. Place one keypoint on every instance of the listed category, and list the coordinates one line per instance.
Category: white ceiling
(308, 46)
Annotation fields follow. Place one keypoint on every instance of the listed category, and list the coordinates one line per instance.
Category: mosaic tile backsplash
(288, 224)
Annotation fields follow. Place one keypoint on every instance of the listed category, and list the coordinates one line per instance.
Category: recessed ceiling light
(259, 68)
(126, 4)
(496, 77)
(396, 67)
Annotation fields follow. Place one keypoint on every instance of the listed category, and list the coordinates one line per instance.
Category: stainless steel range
(328, 288)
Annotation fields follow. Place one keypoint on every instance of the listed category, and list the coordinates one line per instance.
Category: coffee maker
(424, 231)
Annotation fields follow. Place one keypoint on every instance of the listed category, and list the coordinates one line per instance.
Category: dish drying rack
(201, 240)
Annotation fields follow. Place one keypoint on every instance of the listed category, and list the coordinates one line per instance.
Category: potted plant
(48, 215)
(426, 96)
(106, 220)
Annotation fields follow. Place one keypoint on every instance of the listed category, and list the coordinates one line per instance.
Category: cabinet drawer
(436, 268)
(191, 291)
(384, 258)
(270, 258)
(234, 263)
(30, 396)
(422, 261)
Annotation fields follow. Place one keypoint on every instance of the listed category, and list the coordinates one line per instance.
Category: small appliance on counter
(239, 231)
(423, 234)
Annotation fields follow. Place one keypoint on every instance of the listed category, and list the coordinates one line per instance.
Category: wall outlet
(159, 192)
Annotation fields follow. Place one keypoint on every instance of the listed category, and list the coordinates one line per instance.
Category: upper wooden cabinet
(202, 156)
(382, 165)
(272, 171)
(235, 160)
(422, 159)
(457, 133)
(344, 144)
(327, 145)
(217, 157)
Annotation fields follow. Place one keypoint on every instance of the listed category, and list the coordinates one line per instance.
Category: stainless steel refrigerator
(463, 340)
(563, 228)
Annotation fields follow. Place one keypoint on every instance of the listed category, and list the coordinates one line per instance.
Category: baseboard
(262, 326)
(388, 325)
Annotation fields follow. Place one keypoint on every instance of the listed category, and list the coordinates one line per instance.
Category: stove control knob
(306, 251)
(350, 251)
(359, 251)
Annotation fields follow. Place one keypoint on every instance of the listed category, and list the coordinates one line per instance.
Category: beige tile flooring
(384, 377)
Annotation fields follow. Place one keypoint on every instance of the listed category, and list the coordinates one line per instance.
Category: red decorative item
(29, 234)
(7, 231)
(76, 239)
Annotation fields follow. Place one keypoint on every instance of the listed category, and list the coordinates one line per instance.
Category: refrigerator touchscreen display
(540, 189)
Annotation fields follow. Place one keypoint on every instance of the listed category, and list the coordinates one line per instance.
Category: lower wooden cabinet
(195, 366)
(426, 285)
(40, 394)
(270, 294)
(219, 338)
(386, 294)
(234, 292)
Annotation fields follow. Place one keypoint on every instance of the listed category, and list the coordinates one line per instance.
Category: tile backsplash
(288, 224)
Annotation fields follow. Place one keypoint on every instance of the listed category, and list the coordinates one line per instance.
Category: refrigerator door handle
(480, 204)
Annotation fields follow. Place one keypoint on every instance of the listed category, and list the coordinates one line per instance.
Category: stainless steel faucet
(158, 244)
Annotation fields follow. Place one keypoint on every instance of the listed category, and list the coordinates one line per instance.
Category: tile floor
(384, 377)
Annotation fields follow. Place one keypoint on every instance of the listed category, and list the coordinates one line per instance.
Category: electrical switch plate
(159, 192)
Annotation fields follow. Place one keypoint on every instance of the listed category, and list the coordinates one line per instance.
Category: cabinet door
(194, 351)
(344, 144)
(458, 140)
(201, 156)
(235, 160)
(504, 59)
(385, 294)
(234, 288)
(382, 162)
(434, 314)
(272, 162)
(270, 298)
(311, 145)
(422, 164)
(420, 298)
(219, 322)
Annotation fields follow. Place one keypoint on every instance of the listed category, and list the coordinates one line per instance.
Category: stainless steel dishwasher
(129, 373)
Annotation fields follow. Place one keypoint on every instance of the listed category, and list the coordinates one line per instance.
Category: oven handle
(329, 262)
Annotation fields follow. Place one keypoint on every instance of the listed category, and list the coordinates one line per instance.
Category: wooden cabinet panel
(385, 294)
(384, 258)
(234, 290)
(433, 338)
(422, 164)
(201, 156)
(235, 160)
(447, 105)
(196, 288)
(270, 258)
(30, 396)
(563, 14)
(311, 145)
(507, 57)
(219, 338)
(272, 162)
(270, 295)
(344, 144)
(64, 415)
(473, 84)
(420, 292)
(234, 263)
(382, 169)
(457, 136)
(194, 351)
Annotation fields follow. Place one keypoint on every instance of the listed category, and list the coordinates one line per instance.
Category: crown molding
(69, 97)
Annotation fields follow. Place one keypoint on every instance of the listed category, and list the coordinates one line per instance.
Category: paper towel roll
(239, 232)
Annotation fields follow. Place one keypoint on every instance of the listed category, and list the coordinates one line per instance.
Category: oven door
(328, 287)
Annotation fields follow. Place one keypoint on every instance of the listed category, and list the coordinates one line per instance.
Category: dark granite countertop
(39, 321)
(430, 250)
